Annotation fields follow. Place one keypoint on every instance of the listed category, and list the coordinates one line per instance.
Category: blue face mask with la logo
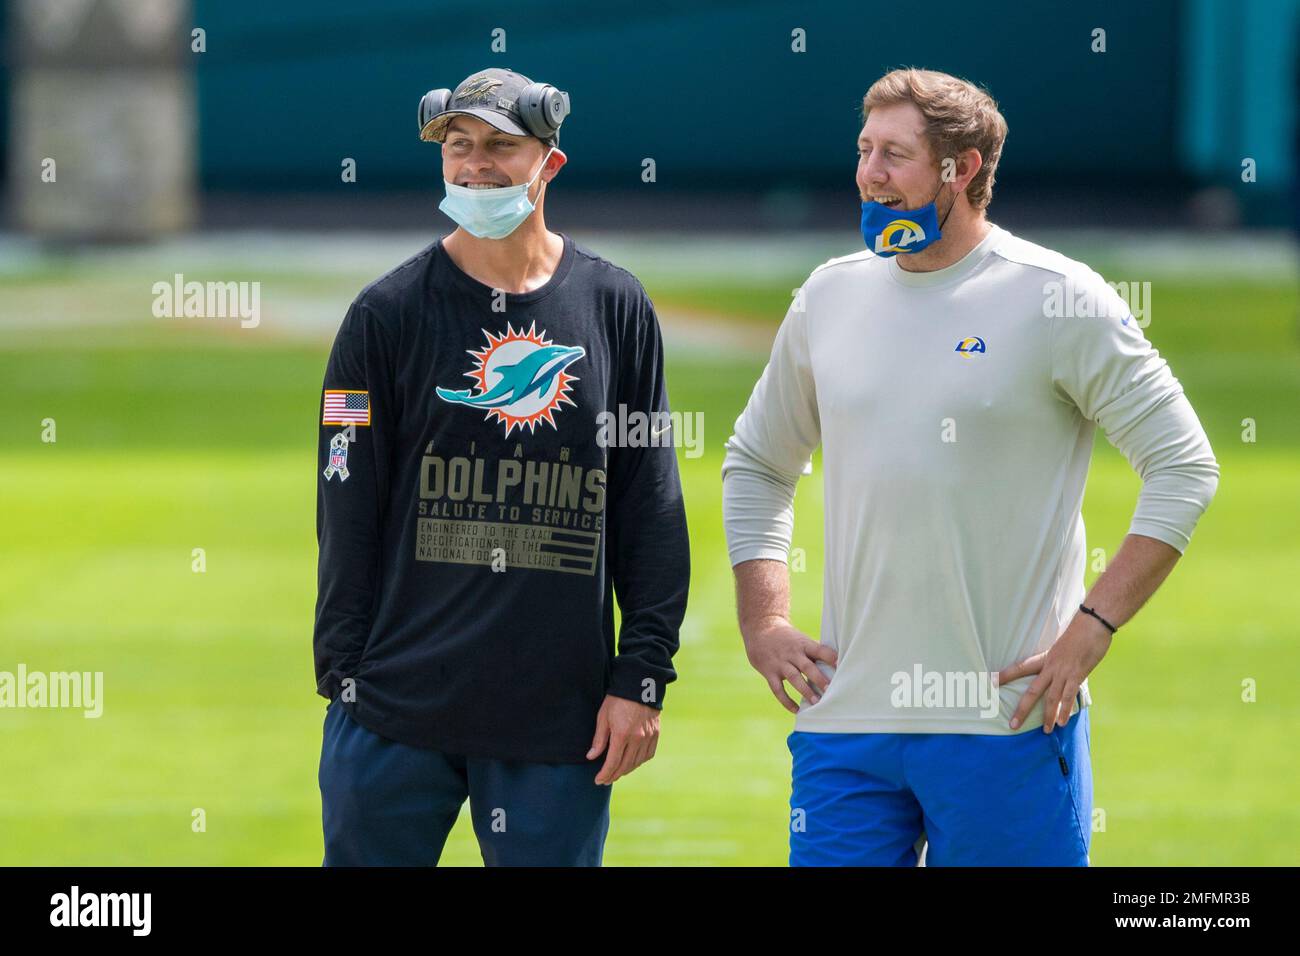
(887, 232)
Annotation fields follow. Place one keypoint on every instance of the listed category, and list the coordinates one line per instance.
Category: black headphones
(542, 108)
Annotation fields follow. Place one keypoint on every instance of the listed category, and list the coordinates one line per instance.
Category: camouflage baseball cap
(490, 95)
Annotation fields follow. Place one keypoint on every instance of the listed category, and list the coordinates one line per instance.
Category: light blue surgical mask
(490, 213)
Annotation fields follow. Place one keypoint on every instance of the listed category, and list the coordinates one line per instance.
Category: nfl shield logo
(338, 457)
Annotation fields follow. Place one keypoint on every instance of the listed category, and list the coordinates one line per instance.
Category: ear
(969, 164)
(554, 163)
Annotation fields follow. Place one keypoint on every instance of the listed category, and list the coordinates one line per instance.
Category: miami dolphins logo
(521, 378)
(907, 232)
(970, 345)
(478, 89)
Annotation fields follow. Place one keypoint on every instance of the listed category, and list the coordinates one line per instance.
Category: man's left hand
(631, 729)
(1060, 669)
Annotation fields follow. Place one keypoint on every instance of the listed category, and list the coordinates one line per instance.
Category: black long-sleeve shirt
(477, 513)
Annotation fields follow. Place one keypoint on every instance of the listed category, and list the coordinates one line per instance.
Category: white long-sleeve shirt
(956, 411)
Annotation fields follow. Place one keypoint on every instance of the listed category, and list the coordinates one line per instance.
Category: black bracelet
(1087, 610)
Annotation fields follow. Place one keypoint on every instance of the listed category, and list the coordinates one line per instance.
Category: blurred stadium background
(1170, 157)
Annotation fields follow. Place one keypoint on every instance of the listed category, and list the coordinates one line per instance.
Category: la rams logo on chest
(520, 378)
(971, 345)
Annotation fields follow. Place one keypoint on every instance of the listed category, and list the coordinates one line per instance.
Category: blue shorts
(385, 803)
(978, 799)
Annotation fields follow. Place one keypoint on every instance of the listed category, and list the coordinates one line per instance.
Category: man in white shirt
(954, 376)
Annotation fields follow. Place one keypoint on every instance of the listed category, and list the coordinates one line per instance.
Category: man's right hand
(781, 652)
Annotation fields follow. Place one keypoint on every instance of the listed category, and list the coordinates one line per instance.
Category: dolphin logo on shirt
(532, 374)
(519, 379)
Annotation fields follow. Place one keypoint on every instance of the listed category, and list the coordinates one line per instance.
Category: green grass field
(181, 434)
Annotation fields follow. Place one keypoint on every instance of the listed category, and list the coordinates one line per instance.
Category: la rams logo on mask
(898, 235)
(970, 346)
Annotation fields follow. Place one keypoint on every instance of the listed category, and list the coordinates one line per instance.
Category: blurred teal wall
(1240, 86)
(711, 94)
(1184, 92)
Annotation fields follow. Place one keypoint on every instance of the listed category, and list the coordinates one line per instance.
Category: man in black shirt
(475, 520)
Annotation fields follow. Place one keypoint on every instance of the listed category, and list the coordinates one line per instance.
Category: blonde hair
(958, 116)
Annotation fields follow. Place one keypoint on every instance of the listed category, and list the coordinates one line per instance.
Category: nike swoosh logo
(1123, 321)
(656, 434)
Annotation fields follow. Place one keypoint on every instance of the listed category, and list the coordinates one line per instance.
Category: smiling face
(477, 155)
(895, 166)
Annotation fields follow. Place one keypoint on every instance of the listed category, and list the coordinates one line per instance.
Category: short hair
(958, 116)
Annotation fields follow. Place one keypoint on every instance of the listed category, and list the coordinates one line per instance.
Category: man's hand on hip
(781, 652)
(1060, 669)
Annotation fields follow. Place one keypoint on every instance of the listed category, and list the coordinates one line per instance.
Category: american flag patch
(344, 407)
